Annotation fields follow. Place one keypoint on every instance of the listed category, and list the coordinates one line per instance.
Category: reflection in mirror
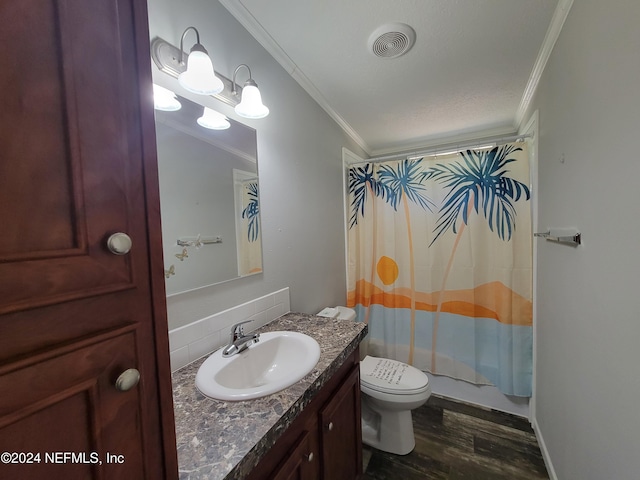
(209, 200)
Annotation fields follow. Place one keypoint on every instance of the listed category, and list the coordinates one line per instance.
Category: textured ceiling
(466, 74)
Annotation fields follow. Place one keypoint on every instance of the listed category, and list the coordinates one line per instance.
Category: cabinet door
(302, 463)
(77, 164)
(341, 431)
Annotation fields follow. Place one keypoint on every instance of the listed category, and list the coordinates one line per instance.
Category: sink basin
(274, 363)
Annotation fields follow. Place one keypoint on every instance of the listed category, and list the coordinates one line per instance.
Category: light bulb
(251, 104)
(164, 99)
(213, 120)
(199, 76)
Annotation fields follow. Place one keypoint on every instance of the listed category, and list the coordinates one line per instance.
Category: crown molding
(255, 29)
(553, 32)
(251, 24)
(449, 141)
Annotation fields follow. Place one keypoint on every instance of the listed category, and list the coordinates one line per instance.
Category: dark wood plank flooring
(457, 441)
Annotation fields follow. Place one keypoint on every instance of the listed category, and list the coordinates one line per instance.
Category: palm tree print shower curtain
(440, 263)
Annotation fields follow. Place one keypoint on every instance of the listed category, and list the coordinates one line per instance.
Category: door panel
(72, 151)
(36, 104)
(66, 401)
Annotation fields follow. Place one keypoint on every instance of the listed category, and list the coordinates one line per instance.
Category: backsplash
(199, 338)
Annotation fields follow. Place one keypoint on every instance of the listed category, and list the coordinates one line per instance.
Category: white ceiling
(470, 73)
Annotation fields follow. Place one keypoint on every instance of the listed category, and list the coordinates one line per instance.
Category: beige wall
(300, 167)
(588, 326)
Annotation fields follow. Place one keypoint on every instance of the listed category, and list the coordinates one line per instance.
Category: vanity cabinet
(341, 431)
(325, 441)
(302, 462)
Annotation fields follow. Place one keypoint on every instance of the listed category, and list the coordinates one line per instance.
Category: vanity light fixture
(213, 120)
(164, 99)
(169, 59)
(199, 77)
(251, 105)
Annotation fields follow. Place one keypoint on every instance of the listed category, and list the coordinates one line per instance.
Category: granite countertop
(225, 440)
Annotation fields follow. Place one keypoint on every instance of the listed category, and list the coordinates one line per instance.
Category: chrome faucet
(239, 342)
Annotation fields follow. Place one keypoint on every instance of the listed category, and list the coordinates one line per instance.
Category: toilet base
(391, 432)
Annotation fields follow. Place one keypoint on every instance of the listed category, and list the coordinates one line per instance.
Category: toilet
(390, 390)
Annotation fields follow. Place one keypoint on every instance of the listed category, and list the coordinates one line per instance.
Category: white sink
(275, 362)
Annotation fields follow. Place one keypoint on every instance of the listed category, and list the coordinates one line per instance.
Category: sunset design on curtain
(437, 267)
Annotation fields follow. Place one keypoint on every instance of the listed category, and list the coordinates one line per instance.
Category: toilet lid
(391, 376)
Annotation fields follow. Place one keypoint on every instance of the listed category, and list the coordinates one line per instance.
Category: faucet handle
(237, 328)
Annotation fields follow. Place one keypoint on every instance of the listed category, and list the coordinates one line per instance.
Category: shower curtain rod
(458, 147)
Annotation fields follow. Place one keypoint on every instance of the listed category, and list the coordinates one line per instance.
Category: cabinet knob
(119, 243)
(309, 457)
(127, 380)
(330, 426)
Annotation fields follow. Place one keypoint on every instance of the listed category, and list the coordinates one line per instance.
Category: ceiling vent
(392, 40)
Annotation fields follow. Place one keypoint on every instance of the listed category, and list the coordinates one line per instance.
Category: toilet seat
(392, 377)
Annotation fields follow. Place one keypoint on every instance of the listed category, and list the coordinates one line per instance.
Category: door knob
(119, 243)
(330, 426)
(127, 380)
(309, 457)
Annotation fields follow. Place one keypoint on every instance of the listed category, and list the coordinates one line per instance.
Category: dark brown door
(78, 165)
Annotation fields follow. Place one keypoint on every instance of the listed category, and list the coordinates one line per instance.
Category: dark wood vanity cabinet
(340, 431)
(303, 461)
(325, 441)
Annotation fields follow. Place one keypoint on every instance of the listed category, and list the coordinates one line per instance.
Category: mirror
(209, 200)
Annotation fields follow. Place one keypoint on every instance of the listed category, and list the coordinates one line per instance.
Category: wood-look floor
(457, 441)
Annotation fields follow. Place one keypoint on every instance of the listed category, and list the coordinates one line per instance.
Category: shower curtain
(440, 263)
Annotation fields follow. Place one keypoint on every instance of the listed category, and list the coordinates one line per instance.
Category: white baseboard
(543, 449)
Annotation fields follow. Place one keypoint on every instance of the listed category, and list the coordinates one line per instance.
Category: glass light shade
(251, 104)
(199, 76)
(164, 99)
(213, 120)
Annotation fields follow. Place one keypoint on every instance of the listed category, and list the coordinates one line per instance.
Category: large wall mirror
(209, 200)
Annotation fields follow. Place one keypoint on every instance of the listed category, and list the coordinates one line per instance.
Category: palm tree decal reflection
(251, 211)
(480, 181)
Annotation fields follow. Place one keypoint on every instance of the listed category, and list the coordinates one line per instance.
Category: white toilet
(390, 390)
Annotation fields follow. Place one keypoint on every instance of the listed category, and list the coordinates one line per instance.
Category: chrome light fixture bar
(169, 59)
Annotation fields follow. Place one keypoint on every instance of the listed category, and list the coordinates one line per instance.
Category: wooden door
(341, 431)
(77, 165)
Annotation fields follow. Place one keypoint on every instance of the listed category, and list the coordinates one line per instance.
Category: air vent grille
(392, 40)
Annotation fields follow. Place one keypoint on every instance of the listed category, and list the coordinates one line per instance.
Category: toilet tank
(341, 313)
(346, 313)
